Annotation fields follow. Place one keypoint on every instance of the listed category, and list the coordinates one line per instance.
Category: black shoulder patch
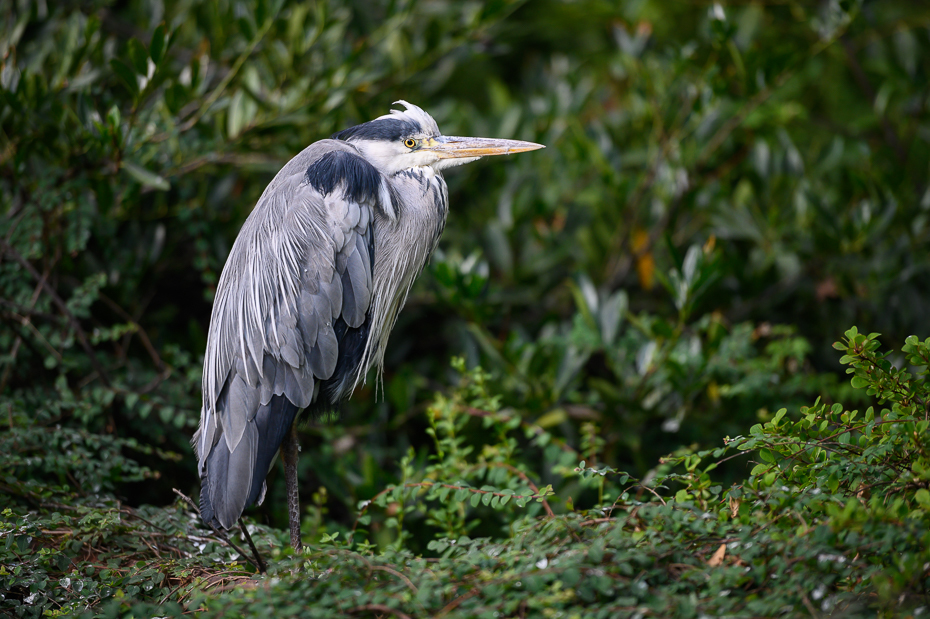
(362, 180)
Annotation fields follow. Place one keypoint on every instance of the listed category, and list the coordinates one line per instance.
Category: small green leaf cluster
(448, 493)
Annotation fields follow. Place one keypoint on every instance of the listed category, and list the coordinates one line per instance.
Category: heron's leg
(289, 453)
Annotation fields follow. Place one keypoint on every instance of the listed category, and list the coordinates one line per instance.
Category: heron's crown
(393, 127)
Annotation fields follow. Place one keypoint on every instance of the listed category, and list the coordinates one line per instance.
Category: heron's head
(410, 138)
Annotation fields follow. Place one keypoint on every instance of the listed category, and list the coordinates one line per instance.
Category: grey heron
(311, 290)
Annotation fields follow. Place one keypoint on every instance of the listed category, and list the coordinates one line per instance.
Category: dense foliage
(725, 190)
(833, 517)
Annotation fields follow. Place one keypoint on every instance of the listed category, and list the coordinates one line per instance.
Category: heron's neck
(402, 247)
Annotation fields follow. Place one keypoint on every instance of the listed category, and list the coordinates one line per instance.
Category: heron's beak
(451, 147)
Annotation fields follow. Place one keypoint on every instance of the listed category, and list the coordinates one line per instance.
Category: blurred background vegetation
(727, 186)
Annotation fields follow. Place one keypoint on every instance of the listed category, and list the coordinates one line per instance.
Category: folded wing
(290, 318)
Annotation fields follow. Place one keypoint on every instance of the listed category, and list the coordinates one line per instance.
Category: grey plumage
(313, 286)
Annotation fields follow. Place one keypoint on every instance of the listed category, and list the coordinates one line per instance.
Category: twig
(75, 325)
(527, 480)
(809, 606)
(143, 336)
(132, 513)
(19, 338)
(32, 313)
(172, 592)
(586, 523)
(653, 492)
(219, 534)
(380, 608)
(25, 322)
(248, 538)
(188, 500)
(456, 602)
(383, 568)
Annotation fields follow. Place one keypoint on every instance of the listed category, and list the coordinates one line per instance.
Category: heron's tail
(235, 479)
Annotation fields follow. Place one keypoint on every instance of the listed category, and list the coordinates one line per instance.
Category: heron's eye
(410, 142)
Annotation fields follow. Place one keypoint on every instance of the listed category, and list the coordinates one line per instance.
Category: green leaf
(242, 111)
(176, 97)
(596, 551)
(146, 177)
(126, 75)
(138, 56)
(245, 27)
(158, 45)
(571, 576)
(923, 498)
(779, 415)
(113, 118)
(759, 469)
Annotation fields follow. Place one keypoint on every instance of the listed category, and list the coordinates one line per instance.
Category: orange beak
(452, 147)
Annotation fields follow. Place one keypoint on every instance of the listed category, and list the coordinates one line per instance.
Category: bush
(832, 518)
(724, 189)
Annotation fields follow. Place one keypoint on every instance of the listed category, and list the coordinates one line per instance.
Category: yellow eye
(410, 142)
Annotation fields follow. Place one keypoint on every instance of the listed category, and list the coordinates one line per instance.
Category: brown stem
(221, 535)
(526, 480)
(248, 538)
(143, 336)
(380, 609)
(384, 568)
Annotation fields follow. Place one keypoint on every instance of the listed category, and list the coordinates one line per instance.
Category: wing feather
(270, 374)
(242, 404)
(356, 286)
(301, 263)
(323, 354)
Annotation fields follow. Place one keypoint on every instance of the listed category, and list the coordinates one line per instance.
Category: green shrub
(724, 186)
(832, 518)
